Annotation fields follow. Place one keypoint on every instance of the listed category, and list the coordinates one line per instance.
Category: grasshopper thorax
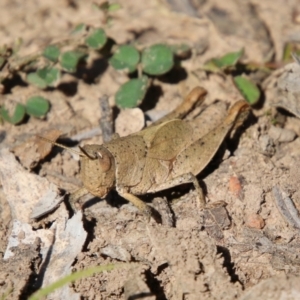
(97, 169)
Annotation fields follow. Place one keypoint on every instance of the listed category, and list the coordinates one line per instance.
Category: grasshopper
(166, 154)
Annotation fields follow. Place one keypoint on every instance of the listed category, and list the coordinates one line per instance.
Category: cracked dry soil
(247, 250)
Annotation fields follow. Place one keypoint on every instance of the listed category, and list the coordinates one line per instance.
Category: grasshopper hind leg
(182, 179)
(147, 210)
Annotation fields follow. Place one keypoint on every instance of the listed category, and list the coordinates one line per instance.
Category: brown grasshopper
(166, 154)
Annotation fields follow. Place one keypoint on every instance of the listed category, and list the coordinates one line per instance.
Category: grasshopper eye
(104, 160)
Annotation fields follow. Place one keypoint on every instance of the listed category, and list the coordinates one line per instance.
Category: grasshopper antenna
(82, 154)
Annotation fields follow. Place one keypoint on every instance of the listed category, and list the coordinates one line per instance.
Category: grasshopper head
(97, 169)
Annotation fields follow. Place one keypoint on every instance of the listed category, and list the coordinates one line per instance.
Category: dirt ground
(249, 249)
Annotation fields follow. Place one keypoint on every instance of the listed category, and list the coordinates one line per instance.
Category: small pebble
(281, 135)
(267, 145)
(235, 186)
(255, 221)
(129, 121)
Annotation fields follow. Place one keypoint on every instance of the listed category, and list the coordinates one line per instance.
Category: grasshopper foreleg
(137, 202)
(74, 197)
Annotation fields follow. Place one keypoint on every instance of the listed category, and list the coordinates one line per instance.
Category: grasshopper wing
(168, 139)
